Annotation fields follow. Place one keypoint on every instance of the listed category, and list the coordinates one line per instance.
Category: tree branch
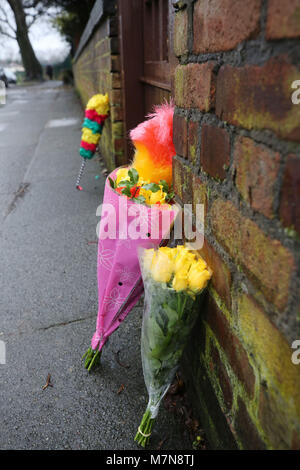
(33, 20)
(5, 33)
(6, 21)
(32, 4)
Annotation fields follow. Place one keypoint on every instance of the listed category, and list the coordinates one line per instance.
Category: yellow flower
(198, 277)
(201, 263)
(122, 174)
(159, 196)
(147, 194)
(183, 260)
(148, 257)
(182, 249)
(180, 281)
(170, 252)
(141, 181)
(162, 267)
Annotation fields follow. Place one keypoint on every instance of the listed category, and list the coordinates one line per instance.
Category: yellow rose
(201, 263)
(170, 252)
(180, 281)
(183, 260)
(146, 193)
(159, 196)
(162, 267)
(122, 174)
(198, 277)
(182, 250)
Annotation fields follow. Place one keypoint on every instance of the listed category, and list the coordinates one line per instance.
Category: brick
(195, 86)
(116, 80)
(181, 33)
(119, 145)
(199, 193)
(256, 169)
(215, 151)
(114, 45)
(116, 97)
(273, 419)
(116, 113)
(289, 209)
(221, 279)
(246, 429)
(283, 19)
(187, 188)
(102, 47)
(183, 178)
(103, 63)
(182, 181)
(192, 141)
(231, 345)
(177, 177)
(180, 127)
(117, 129)
(199, 207)
(104, 81)
(120, 159)
(268, 263)
(272, 352)
(296, 441)
(223, 378)
(217, 427)
(112, 26)
(259, 97)
(220, 26)
(115, 63)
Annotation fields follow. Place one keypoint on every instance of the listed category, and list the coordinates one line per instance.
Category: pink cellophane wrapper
(119, 277)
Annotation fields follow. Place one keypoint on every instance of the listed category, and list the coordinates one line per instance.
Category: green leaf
(165, 186)
(152, 186)
(125, 183)
(126, 191)
(112, 182)
(140, 199)
(170, 311)
(133, 175)
(170, 196)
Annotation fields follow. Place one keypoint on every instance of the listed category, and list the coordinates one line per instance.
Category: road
(48, 291)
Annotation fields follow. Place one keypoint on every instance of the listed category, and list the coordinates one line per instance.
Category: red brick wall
(97, 70)
(237, 139)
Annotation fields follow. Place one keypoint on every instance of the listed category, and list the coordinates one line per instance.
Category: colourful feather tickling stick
(95, 114)
(154, 148)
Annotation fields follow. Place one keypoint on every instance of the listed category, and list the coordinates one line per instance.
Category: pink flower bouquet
(126, 226)
(137, 212)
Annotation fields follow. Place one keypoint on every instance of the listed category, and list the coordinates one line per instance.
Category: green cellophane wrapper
(168, 319)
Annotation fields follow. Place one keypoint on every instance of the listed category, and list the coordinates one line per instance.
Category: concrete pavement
(48, 291)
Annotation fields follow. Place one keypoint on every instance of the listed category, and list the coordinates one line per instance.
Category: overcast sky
(48, 44)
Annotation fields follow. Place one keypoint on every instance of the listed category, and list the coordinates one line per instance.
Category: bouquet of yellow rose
(174, 279)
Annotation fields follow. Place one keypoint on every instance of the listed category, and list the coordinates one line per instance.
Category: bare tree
(25, 14)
